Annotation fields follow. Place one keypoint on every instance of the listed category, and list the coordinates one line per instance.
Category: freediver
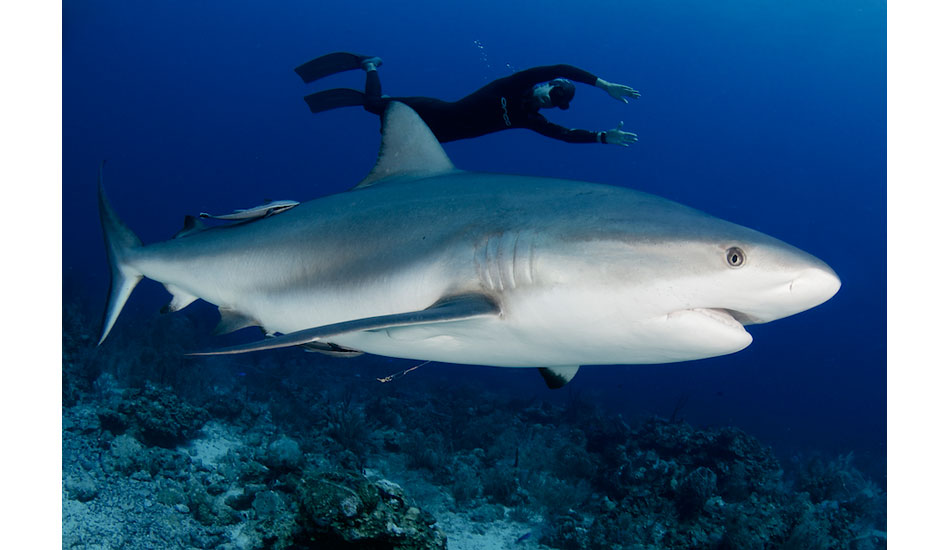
(510, 102)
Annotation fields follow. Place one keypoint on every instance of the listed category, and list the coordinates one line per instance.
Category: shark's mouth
(707, 332)
(743, 318)
(727, 317)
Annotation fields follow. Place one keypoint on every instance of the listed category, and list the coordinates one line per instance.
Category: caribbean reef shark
(425, 261)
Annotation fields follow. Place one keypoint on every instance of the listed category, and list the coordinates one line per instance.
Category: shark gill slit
(514, 259)
(481, 265)
(506, 267)
(510, 241)
(495, 252)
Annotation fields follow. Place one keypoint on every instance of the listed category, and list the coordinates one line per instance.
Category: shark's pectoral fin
(558, 377)
(454, 308)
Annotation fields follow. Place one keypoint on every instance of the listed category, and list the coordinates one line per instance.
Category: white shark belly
(549, 335)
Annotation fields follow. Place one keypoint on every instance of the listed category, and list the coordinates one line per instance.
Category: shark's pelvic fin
(558, 377)
(408, 147)
(454, 308)
(120, 242)
(232, 321)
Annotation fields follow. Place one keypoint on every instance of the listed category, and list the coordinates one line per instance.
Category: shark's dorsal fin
(408, 148)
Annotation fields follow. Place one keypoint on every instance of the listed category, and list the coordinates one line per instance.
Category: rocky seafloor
(160, 451)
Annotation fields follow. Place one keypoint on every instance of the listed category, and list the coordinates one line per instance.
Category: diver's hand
(617, 91)
(616, 136)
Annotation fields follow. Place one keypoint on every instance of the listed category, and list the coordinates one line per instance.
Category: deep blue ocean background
(769, 114)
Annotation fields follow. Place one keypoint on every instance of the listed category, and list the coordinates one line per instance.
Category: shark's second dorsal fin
(408, 147)
(191, 226)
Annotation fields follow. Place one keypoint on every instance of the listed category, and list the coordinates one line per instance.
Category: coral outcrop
(286, 455)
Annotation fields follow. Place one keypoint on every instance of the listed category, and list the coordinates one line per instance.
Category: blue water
(766, 113)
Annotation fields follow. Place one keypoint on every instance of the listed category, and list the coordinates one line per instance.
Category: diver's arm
(530, 77)
(547, 128)
(537, 75)
(617, 91)
(616, 136)
(550, 72)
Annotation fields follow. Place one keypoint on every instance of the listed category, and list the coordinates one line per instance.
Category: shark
(425, 261)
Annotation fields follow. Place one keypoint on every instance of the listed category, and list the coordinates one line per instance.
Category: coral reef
(346, 510)
(275, 452)
(155, 416)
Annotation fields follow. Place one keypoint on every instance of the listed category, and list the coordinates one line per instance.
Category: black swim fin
(332, 99)
(332, 63)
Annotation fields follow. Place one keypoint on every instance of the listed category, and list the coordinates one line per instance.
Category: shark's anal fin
(453, 308)
(180, 299)
(558, 377)
(408, 147)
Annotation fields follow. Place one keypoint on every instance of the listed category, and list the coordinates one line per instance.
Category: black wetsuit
(505, 103)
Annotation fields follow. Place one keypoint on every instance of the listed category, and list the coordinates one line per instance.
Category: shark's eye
(735, 257)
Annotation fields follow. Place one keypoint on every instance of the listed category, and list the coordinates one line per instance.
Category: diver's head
(556, 93)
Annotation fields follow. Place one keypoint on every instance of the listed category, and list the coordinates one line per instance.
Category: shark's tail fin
(119, 242)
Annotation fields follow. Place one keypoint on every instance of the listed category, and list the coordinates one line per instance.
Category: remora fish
(262, 211)
(425, 261)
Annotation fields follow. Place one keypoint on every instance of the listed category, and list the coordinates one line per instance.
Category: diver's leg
(371, 63)
(374, 87)
(444, 118)
(373, 98)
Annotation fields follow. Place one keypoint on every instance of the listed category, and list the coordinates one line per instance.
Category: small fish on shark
(262, 211)
(424, 261)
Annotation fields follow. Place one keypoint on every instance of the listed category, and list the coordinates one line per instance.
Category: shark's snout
(814, 286)
(782, 289)
(809, 287)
